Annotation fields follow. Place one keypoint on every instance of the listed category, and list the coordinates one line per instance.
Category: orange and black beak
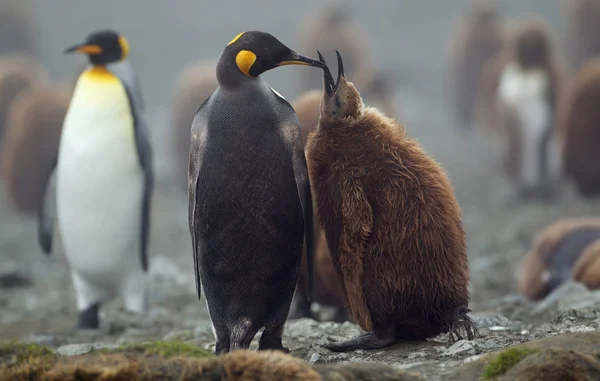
(294, 58)
(91, 49)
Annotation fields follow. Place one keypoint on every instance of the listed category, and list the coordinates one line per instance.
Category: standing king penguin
(250, 204)
(104, 183)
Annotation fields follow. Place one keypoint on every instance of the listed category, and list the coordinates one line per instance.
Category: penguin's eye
(338, 103)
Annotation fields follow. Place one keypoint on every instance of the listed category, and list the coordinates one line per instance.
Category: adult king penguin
(104, 183)
(250, 204)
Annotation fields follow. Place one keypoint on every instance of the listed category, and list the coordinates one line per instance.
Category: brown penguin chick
(195, 83)
(331, 28)
(392, 223)
(579, 119)
(31, 143)
(581, 30)
(587, 267)
(557, 255)
(486, 108)
(17, 73)
(18, 28)
(527, 102)
(477, 39)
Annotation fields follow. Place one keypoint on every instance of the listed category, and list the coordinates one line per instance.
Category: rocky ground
(36, 297)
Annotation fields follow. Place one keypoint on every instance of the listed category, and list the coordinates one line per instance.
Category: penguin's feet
(271, 340)
(88, 318)
(367, 340)
(461, 319)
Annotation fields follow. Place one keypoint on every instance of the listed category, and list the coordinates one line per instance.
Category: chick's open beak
(328, 83)
(296, 59)
(85, 48)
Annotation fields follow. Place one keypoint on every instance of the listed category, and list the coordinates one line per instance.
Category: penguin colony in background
(567, 249)
(478, 38)
(248, 218)
(579, 118)
(104, 228)
(329, 30)
(332, 29)
(527, 99)
(404, 269)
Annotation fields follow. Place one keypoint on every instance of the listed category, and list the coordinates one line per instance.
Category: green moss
(162, 348)
(13, 350)
(504, 360)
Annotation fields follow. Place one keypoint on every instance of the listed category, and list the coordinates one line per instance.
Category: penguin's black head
(103, 47)
(255, 52)
(341, 99)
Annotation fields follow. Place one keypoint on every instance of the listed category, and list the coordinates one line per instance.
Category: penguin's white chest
(99, 182)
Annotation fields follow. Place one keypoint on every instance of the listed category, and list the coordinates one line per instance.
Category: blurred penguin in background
(332, 28)
(104, 184)
(527, 100)
(195, 83)
(568, 249)
(478, 38)
(581, 30)
(18, 28)
(579, 120)
(487, 117)
(30, 144)
(17, 73)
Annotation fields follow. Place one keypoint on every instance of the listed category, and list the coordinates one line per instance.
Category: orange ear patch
(244, 61)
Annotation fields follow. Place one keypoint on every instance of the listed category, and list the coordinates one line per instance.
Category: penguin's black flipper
(304, 192)
(303, 185)
(144, 150)
(47, 212)
(196, 143)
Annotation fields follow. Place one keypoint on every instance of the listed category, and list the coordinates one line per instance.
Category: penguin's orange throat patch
(99, 73)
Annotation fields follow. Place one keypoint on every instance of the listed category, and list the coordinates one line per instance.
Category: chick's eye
(338, 104)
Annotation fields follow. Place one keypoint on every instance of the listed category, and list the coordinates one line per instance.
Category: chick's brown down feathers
(392, 223)
(31, 142)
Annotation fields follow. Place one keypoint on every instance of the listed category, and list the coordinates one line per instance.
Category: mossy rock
(19, 361)
(506, 360)
(164, 349)
(133, 365)
(15, 351)
(573, 356)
